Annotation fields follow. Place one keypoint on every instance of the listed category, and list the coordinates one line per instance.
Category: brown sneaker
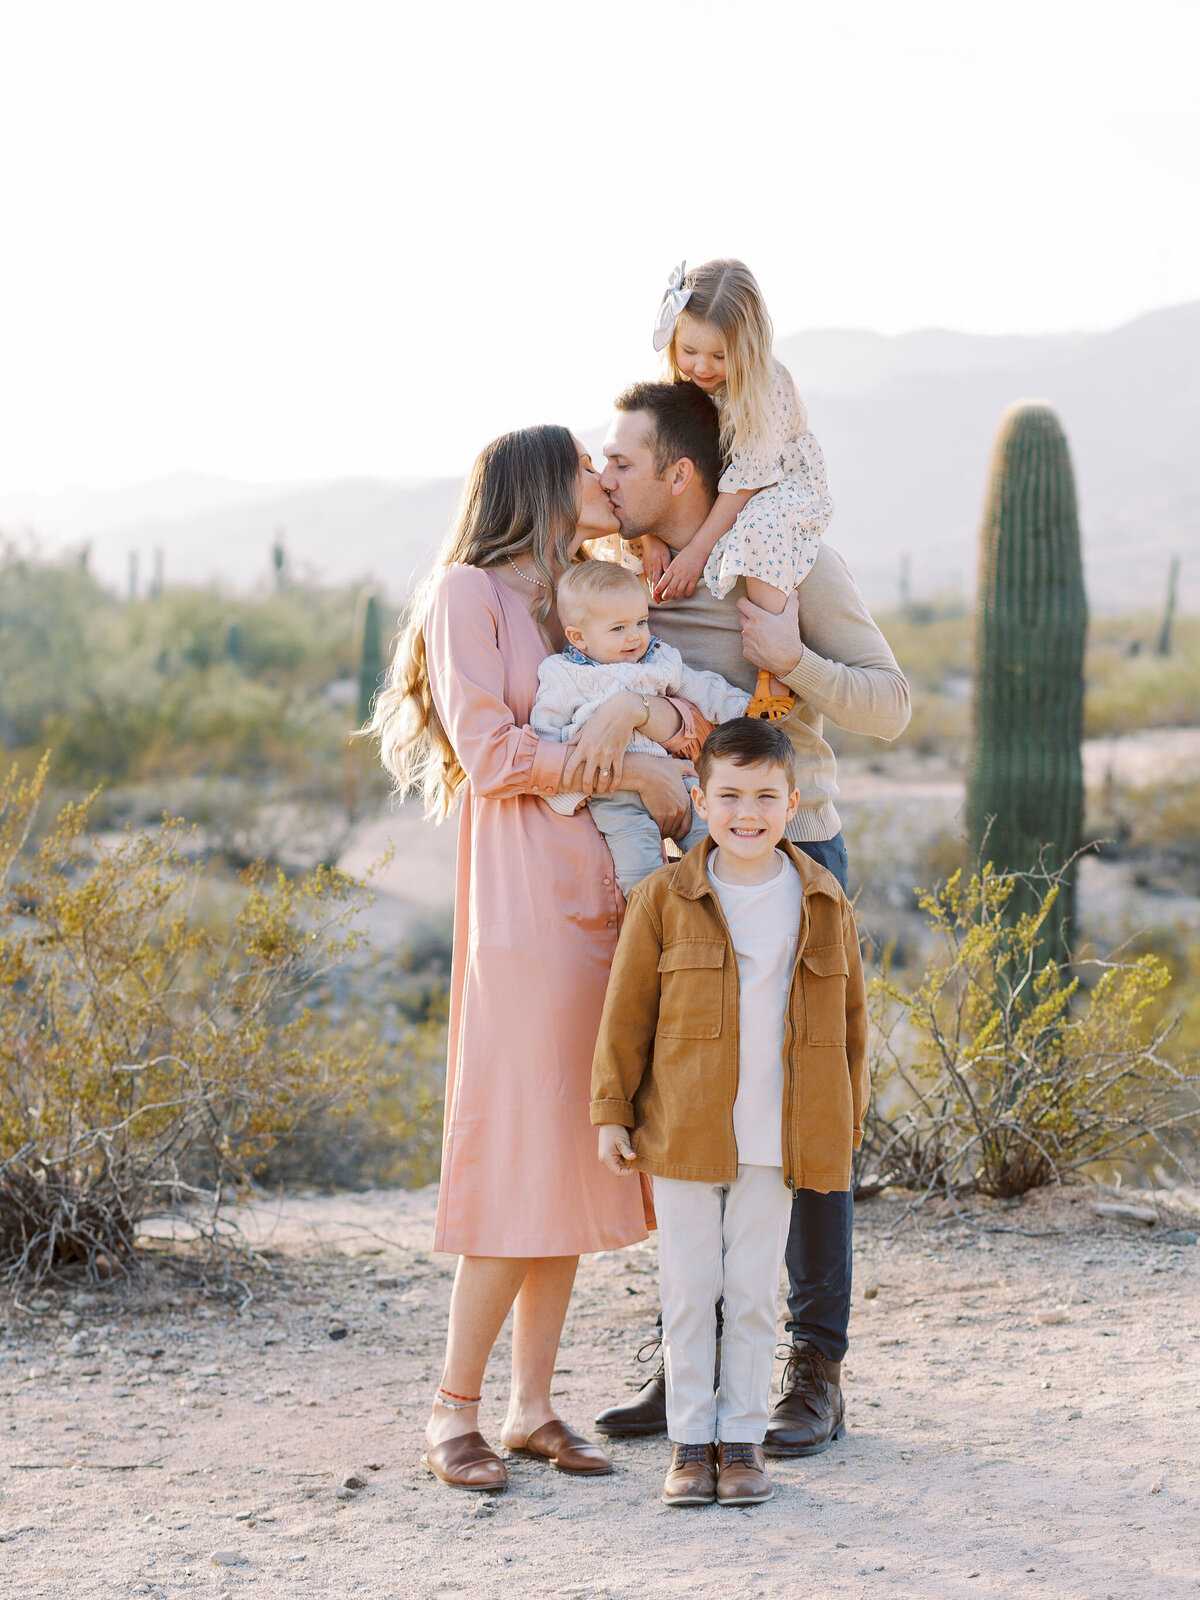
(741, 1477)
(810, 1412)
(692, 1480)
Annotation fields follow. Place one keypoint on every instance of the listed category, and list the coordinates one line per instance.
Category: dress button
(608, 880)
(609, 923)
(535, 788)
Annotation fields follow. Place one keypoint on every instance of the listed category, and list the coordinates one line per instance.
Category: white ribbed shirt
(764, 924)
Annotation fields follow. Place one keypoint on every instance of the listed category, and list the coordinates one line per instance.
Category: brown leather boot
(741, 1476)
(647, 1413)
(643, 1415)
(692, 1480)
(810, 1412)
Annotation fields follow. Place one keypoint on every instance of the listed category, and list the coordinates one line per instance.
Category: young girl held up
(773, 503)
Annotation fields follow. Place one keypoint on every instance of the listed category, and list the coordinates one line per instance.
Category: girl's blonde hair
(522, 498)
(724, 293)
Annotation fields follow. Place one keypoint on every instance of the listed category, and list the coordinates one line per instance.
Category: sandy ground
(1024, 1414)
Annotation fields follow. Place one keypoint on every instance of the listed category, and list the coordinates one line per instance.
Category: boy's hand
(682, 576)
(615, 1150)
(656, 558)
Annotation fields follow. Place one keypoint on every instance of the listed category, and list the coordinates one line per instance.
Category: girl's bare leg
(484, 1290)
(537, 1328)
(773, 600)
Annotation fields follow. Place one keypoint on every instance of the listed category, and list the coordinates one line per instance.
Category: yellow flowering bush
(147, 1060)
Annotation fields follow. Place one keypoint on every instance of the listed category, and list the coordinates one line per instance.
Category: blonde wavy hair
(521, 498)
(725, 294)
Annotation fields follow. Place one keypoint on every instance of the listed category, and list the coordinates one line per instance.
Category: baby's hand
(615, 1150)
(656, 558)
(681, 577)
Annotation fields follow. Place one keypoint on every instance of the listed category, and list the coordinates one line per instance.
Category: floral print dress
(778, 533)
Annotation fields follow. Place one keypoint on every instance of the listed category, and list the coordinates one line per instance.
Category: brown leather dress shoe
(467, 1462)
(741, 1476)
(810, 1412)
(565, 1450)
(692, 1480)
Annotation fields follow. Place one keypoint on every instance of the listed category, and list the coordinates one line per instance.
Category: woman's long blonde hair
(522, 498)
(725, 294)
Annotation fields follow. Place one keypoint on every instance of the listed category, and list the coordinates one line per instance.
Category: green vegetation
(188, 684)
(1025, 780)
(999, 1071)
(148, 1055)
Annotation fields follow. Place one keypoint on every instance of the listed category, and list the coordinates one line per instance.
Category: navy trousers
(819, 1247)
(820, 1236)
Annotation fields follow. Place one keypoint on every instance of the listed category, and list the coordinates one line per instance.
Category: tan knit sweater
(846, 673)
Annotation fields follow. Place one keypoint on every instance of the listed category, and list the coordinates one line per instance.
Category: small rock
(338, 1332)
(1180, 1236)
(343, 1493)
(387, 1283)
(227, 1558)
(1052, 1318)
(871, 1292)
(1156, 1486)
(354, 1480)
(1125, 1212)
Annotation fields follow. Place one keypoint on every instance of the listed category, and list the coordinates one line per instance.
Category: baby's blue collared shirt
(578, 658)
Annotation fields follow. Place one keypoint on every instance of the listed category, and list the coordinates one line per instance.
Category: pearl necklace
(535, 581)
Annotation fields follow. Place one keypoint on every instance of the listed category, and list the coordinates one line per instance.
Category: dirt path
(1024, 1418)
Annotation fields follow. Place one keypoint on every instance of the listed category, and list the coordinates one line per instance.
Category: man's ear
(575, 637)
(682, 474)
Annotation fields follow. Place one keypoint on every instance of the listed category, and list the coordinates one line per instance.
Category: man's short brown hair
(686, 424)
(747, 742)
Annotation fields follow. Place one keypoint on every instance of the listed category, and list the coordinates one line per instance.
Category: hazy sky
(281, 239)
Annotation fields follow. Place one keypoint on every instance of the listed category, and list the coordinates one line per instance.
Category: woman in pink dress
(536, 914)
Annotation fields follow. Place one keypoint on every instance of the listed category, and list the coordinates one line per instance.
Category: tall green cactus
(368, 640)
(1025, 790)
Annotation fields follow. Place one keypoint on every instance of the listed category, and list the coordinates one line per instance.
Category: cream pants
(719, 1239)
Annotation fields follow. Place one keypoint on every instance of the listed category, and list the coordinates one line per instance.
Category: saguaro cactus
(368, 640)
(1025, 790)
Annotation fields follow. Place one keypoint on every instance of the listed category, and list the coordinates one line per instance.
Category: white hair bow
(674, 301)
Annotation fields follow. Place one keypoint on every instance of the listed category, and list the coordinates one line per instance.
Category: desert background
(255, 321)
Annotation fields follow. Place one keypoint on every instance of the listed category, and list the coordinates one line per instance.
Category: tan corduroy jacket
(666, 1062)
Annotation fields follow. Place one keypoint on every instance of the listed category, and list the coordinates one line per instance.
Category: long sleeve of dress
(467, 682)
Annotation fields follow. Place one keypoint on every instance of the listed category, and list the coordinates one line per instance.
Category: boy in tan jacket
(731, 1066)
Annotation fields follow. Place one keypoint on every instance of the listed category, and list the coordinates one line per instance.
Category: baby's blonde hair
(580, 586)
(725, 294)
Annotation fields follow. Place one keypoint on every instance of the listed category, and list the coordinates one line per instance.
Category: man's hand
(770, 641)
(614, 1148)
(682, 576)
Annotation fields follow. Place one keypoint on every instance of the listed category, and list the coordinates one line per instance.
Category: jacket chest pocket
(825, 973)
(691, 976)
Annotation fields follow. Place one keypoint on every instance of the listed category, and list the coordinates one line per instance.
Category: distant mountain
(906, 424)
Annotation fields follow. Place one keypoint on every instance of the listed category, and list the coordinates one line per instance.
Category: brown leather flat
(467, 1462)
(565, 1450)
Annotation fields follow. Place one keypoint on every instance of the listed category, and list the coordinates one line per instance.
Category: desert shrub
(147, 1059)
(1002, 1072)
(1127, 691)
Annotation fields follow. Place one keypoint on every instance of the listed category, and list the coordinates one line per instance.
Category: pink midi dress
(536, 915)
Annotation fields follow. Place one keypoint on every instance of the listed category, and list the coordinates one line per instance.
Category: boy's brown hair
(747, 741)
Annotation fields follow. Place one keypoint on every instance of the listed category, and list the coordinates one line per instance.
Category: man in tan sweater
(663, 464)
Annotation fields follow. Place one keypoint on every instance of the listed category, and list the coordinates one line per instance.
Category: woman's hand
(659, 781)
(656, 558)
(595, 760)
(614, 1148)
(682, 576)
